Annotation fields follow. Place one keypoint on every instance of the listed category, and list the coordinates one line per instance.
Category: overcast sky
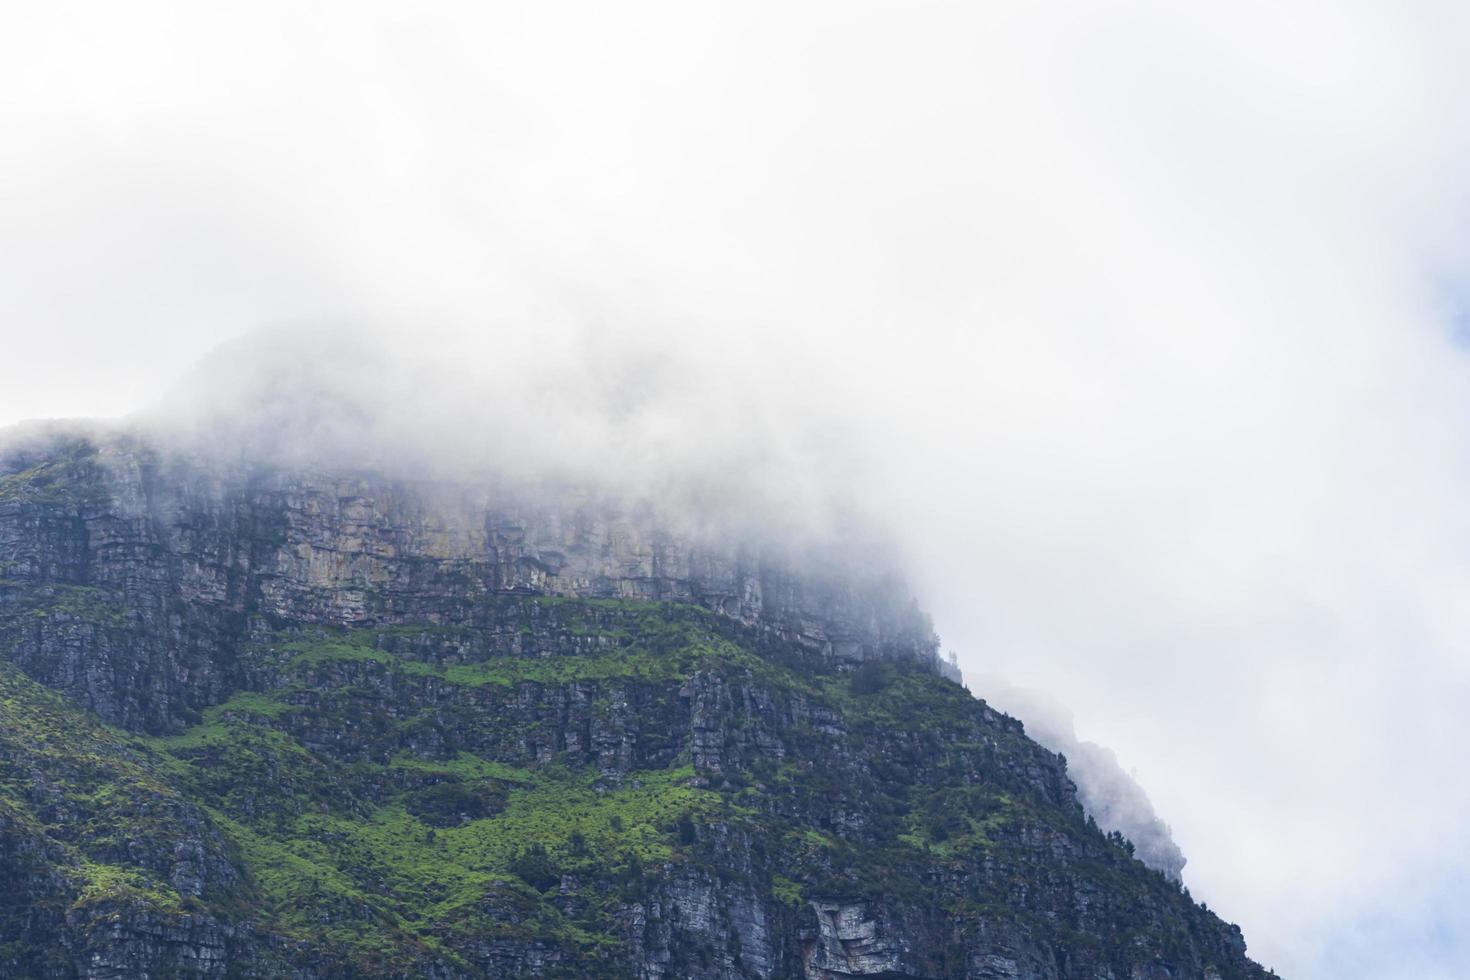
(1151, 317)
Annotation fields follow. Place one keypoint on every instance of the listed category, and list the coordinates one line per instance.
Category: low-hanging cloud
(1142, 325)
(615, 413)
(1106, 791)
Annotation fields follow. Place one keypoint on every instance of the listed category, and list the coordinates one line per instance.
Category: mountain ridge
(342, 727)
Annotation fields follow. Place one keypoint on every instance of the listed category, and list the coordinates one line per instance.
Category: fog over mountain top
(638, 427)
(640, 424)
(1141, 326)
(623, 414)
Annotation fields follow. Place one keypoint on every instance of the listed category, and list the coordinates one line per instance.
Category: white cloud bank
(1147, 315)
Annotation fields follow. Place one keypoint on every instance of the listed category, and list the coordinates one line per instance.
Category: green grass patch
(112, 882)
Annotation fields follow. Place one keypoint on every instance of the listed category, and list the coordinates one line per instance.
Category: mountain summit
(264, 719)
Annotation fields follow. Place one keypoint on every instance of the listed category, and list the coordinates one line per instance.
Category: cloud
(1106, 791)
(1138, 322)
(622, 411)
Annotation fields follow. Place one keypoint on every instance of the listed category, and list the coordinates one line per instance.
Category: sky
(1142, 324)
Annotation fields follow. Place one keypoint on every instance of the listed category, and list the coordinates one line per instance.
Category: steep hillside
(260, 723)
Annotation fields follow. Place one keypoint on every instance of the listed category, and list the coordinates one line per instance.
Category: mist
(1140, 330)
(1109, 794)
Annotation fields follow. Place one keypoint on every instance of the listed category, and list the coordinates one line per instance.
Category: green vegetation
(786, 890)
(399, 794)
(84, 790)
(112, 882)
(385, 858)
(423, 871)
(614, 640)
(60, 481)
(54, 601)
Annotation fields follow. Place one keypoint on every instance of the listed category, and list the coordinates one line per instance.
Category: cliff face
(181, 553)
(268, 723)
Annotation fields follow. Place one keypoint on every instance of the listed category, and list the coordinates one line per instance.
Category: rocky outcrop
(851, 942)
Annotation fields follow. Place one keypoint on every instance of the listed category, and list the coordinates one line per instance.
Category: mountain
(275, 720)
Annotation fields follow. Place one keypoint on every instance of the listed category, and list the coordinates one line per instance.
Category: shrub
(868, 678)
(533, 866)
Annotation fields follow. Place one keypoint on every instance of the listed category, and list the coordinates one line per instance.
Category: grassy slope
(391, 857)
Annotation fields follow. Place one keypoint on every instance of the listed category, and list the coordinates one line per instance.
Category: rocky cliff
(262, 722)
